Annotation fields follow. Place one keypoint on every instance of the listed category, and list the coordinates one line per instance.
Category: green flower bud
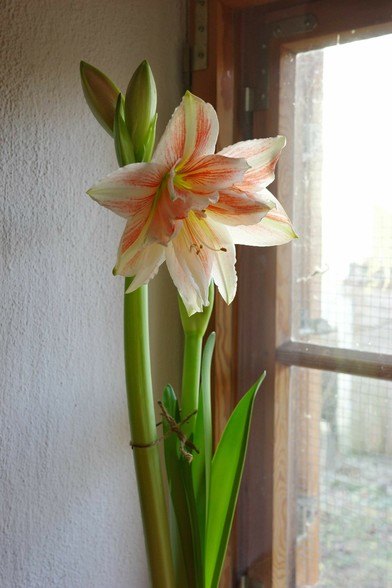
(122, 140)
(101, 95)
(150, 142)
(197, 323)
(140, 108)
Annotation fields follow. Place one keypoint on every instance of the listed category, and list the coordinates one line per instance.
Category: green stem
(191, 379)
(144, 437)
(194, 328)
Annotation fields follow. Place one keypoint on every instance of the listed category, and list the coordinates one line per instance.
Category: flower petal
(223, 269)
(192, 132)
(184, 282)
(189, 259)
(144, 266)
(171, 145)
(166, 215)
(130, 189)
(202, 127)
(274, 229)
(211, 173)
(262, 156)
(235, 207)
(133, 240)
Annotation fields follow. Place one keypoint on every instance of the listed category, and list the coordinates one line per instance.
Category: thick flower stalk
(190, 206)
(134, 134)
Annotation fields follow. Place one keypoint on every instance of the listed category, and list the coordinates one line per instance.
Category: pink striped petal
(133, 240)
(235, 207)
(211, 173)
(129, 190)
(262, 156)
(191, 133)
(171, 145)
(144, 266)
(202, 127)
(191, 200)
(274, 229)
(166, 215)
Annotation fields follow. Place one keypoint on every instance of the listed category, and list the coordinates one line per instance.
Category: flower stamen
(200, 246)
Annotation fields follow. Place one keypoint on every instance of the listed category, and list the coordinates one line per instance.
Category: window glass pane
(342, 282)
(342, 480)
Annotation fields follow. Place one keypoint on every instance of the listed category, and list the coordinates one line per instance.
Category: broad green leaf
(226, 472)
(122, 139)
(198, 571)
(201, 464)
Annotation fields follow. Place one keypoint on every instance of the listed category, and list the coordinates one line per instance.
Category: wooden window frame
(252, 337)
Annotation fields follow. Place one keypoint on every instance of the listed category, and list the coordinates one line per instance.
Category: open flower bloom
(190, 207)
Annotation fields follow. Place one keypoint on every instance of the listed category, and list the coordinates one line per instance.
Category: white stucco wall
(68, 502)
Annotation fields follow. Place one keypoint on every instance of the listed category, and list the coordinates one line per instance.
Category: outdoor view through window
(342, 298)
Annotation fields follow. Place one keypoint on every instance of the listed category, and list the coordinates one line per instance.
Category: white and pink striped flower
(189, 206)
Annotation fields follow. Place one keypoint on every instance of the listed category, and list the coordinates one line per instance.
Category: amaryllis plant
(186, 206)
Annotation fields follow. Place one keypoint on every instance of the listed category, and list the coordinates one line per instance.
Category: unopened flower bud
(101, 95)
(197, 323)
(122, 140)
(140, 109)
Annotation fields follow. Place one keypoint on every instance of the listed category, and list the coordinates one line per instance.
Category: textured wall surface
(69, 511)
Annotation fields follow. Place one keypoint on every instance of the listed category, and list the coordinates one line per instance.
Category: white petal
(192, 132)
(274, 229)
(235, 207)
(129, 189)
(135, 238)
(190, 258)
(256, 151)
(223, 269)
(212, 173)
(201, 127)
(145, 265)
(171, 145)
(262, 155)
(183, 280)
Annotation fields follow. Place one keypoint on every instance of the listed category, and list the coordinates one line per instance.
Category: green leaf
(198, 571)
(201, 464)
(122, 140)
(226, 472)
(179, 486)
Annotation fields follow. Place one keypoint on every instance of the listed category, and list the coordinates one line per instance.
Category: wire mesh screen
(342, 476)
(342, 287)
(342, 297)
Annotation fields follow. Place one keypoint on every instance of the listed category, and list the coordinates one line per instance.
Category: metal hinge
(200, 36)
(257, 98)
(296, 25)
